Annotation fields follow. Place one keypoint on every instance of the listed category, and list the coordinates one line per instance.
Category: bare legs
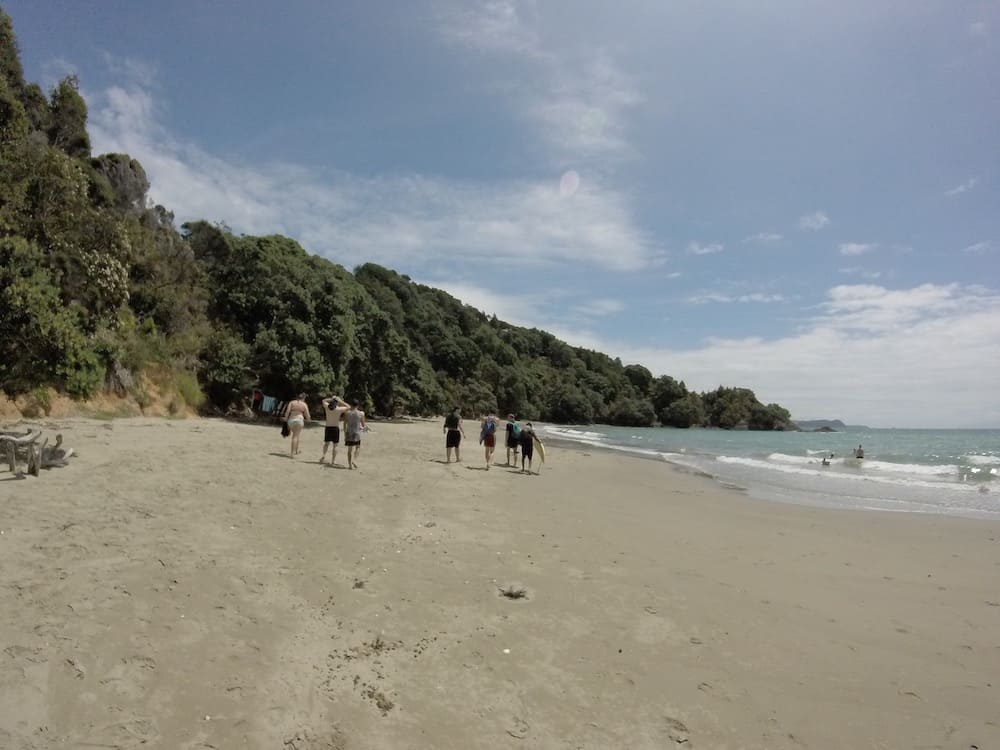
(296, 430)
(352, 453)
(333, 456)
(509, 449)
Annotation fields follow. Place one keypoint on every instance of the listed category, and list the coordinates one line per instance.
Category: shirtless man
(335, 408)
(354, 424)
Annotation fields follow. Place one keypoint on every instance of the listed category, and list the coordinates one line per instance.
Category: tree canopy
(98, 285)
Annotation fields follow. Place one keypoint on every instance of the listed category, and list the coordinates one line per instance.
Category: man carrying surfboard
(528, 442)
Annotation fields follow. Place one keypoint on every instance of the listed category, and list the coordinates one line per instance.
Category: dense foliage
(98, 286)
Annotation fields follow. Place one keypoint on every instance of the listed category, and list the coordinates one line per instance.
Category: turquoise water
(953, 472)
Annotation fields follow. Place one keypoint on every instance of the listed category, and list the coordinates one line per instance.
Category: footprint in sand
(677, 731)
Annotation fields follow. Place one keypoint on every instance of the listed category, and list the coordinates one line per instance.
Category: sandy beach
(185, 584)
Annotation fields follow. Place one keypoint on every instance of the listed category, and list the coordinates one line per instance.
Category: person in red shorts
(488, 436)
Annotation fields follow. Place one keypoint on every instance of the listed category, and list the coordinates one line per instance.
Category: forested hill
(98, 289)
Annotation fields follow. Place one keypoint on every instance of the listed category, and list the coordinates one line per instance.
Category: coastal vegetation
(100, 290)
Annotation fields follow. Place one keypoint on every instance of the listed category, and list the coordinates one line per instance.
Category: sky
(801, 197)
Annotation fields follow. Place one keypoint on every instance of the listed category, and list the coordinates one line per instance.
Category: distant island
(826, 425)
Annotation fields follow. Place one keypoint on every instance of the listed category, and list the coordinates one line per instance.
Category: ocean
(950, 472)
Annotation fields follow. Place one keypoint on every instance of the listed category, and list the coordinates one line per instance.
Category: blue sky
(795, 196)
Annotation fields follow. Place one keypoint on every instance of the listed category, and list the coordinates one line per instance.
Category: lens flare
(569, 183)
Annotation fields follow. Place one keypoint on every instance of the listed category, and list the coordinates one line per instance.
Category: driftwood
(56, 455)
(29, 442)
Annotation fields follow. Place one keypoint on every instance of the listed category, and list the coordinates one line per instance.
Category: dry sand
(184, 584)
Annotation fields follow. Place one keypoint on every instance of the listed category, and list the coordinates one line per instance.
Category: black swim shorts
(453, 439)
(332, 434)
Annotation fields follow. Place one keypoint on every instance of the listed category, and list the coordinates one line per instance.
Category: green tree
(684, 412)
(68, 119)
(729, 407)
(632, 412)
(639, 377)
(42, 343)
(568, 405)
(770, 417)
(665, 390)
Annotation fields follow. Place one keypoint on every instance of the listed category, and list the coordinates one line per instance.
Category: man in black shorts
(527, 445)
(453, 435)
(335, 408)
(354, 425)
(513, 438)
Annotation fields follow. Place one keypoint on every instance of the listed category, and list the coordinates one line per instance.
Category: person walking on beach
(335, 408)
(488, 436)
(454, 432)
(296, 415)
(527, 439)
(513, 440)
(354, 425)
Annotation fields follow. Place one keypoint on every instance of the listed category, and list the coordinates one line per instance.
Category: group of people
(347, 416)
(858, 452)
(517, 437)
(338, 412)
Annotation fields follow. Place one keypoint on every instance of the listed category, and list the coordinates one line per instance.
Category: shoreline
(890, 487)
(183, 583)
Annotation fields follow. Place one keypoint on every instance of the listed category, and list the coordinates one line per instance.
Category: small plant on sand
(512, 592)
(189, 390)
(142, 398)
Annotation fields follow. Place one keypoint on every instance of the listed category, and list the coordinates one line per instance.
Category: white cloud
(517, 309)
(856, 248)
(494, 26)
(529, 310)
(696, 248)
(977, 28)
(758, 297)
(978, 247)
(964, 187)
(862, 272)
(814, 221)
(390, 219)
(919, 357)
(764, 237)
(601, 307)
(578, 102)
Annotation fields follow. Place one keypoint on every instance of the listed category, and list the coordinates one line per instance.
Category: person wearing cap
(335, 408)
(513, 438)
